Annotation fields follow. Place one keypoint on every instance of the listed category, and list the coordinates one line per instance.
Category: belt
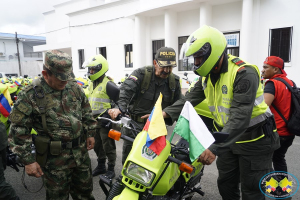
(138, 119)
(73, 143)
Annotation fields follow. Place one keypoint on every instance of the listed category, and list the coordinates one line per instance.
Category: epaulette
(177, 77)
(241, 69)
(28, 87)
(238, 61)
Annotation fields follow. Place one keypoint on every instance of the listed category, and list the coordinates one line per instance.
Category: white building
(128, 32)
(31, 62)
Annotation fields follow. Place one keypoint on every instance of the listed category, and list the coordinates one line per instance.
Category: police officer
(235, 98)
(56, 107)
(141, 89)
(100, 102)
(6, 190)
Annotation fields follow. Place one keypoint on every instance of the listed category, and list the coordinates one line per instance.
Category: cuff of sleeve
(214, 149)
(91, 133)
(27, 160)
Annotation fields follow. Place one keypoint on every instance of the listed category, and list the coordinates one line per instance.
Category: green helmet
(209, 43)
(97, 63)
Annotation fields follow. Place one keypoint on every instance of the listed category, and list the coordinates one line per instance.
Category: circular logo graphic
(148, 153)
(279, 185)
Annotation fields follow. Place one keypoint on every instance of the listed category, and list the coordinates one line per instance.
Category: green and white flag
(191, 127)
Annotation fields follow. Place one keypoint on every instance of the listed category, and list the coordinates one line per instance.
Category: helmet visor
(185, 63)
(95, 69)
(201, 56)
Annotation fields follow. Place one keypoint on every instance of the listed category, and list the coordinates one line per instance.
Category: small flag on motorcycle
(191, 127)
(156, 128)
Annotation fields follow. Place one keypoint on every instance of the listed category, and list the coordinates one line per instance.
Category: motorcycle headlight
(139, 174)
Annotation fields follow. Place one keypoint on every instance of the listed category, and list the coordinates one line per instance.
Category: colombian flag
(17, 83)
(80, 83)
(156, 129)
(4, 106)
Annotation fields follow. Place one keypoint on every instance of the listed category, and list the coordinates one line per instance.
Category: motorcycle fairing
(127, 194)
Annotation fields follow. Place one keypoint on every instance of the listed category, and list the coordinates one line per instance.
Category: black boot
(100, 169)
(110, 171)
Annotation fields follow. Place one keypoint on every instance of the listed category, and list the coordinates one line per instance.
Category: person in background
(100, 102)
(277, 95)
(141, 89)
(6, 190)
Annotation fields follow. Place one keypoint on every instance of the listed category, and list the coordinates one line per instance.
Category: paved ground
(208, 182)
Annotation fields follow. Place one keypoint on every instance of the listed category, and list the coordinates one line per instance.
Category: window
(128, 56)
(281, 43)
(185, 64)
(233, 43)
(157, 44)
(102, 51)
(81, 57)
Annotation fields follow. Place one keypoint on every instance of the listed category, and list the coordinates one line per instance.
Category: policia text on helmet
(207, 45)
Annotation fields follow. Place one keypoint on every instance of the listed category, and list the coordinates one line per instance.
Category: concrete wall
(30, 68)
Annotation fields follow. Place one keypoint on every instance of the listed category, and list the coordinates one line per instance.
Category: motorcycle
(169, 176)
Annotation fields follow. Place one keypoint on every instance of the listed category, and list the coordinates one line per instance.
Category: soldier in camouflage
(141, 89)
(56, 107)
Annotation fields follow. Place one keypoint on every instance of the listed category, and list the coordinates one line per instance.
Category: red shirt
(282, 101)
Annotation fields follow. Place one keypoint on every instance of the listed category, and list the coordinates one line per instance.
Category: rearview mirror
(112, 91)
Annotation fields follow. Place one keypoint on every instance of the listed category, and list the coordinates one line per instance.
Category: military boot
(110, 171)
(100, 169)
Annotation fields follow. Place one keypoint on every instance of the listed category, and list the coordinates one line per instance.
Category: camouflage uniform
(68, 112)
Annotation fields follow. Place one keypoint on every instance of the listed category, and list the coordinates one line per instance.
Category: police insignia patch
(224, 89)
(100, 88)
(243, 86)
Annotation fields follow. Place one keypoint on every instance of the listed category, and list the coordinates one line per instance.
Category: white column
(246, 30)
(148, 51)
(171, 38)
(205, 14)
(139, 54)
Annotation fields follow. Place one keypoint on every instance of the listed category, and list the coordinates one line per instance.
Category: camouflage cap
(166, 56)
(60, 64)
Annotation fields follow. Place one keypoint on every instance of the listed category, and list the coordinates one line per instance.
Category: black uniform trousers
(6, 190)
(279, 162)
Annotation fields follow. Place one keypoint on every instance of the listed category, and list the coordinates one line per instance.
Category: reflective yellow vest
(220, 96)
(98, 98)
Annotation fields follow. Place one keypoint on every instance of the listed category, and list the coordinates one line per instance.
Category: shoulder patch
(243, 86)
(133, 77)
(22, 107)
(16, 116)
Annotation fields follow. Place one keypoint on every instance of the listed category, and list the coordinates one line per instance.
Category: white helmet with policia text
(98, 64)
